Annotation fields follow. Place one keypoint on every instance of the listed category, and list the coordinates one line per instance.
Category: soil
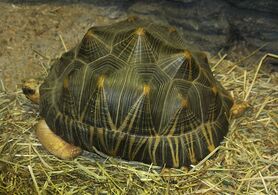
(28, 29)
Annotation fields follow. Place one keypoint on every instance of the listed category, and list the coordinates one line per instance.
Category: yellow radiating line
(200, 102)
(190, 149)
(81, 91)
(145, 148)
(208, 136)
(163, 149)
(69, 120)
(149, 48)
(175, 163)
(97, 107)
(57, 117)
(164, 103)
(139, 45)
(127, 45)
(131, 142)
(173, 128)
(156, 142)
(183, 148)
(133, 48)
(70, 127)
(138, 147)
(86, 106)
(205, 134)
(150, 149)
(170, 64)
(89, 35)
(134, 116)
(124, 123)
(211, 147)
(188, 57)
(119, 139)
(69, 131)
(101, 135)
(91, 135)
(177, 160)
(110, 121)
(58, 114)
(120, 96)
(199, 142)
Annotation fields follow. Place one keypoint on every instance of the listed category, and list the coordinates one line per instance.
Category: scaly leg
(54, 144)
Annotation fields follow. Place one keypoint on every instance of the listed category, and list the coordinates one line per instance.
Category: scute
(135, 48)
(92, 47)
(134, 90)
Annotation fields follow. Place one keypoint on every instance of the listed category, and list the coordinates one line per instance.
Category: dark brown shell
(134, 90)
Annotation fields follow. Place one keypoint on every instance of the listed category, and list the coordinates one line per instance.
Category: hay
(246, 163)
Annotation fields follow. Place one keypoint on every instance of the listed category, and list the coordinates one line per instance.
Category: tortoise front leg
(239, 108)
(54, 144)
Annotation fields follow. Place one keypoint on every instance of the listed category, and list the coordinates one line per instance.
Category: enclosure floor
(30, 29)
(245, 163)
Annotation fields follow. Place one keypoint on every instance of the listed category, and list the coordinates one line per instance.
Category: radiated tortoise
(133, 90)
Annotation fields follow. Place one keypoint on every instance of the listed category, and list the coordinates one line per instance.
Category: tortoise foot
(30, 89)
(238, 109)
(54, 144)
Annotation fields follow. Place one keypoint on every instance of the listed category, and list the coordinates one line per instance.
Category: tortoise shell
(134, 90)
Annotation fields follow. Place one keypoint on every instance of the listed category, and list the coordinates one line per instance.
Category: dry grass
(246, 163)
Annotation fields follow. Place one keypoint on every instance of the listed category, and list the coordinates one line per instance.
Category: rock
(235, 27)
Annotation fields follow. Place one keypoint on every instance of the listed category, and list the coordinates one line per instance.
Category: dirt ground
(26, 30)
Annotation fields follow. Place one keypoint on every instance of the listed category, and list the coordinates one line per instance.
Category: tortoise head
(30, 89)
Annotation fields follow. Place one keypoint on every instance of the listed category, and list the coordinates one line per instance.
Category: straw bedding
(245, 163)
